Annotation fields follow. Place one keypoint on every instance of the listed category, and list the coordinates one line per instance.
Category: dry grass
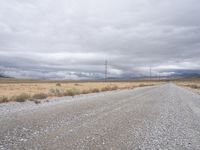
(58, 84)
(40, 96)
(193, 84)
(112, 88)
(21, 98)
(72, 92)
(3, 99)
(95, 90)
(11, 90)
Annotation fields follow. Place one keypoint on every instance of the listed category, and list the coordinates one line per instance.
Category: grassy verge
(193, 84)
(38, 91)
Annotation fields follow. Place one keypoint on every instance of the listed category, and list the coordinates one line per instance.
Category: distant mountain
(186, 73)
(176, 74)
(3, 76)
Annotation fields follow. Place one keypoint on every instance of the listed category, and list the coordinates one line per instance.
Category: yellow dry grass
(191, 83)
(10, 88)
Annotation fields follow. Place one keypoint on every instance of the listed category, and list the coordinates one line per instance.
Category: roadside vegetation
(192, 83)
(194, 86)
(38, 90)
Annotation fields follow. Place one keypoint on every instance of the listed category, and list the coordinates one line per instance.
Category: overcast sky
(71, 39)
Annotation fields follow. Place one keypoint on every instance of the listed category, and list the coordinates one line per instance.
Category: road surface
(159, 117)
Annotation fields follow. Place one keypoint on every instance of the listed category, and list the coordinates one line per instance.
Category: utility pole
(150, 73)
(106, 70)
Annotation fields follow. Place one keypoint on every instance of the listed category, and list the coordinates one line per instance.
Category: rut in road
(165, 117)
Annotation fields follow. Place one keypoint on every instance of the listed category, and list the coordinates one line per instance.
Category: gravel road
(159, 117)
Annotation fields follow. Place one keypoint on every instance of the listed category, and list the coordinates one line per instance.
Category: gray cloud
(72, 39)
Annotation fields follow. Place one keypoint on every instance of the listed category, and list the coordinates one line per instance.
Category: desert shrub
(21, 98)
(106, 88)
(51, 90)
(3, 99)
(115, 87)
(194, 86)
(141, 85)
(56, 92)
(58, 84)
(77, 91)
(85, 92)
(95, 90)
(72, 92)
(122, 87)
(76, 84)
(69, 93)
(110, 88)
(40, 96)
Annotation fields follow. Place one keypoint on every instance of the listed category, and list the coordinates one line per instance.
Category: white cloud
(78, 36)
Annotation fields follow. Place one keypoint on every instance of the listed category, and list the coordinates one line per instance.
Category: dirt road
(160, 117)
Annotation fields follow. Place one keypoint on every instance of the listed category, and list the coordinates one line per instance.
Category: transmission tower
(150, 73)
(106, 70)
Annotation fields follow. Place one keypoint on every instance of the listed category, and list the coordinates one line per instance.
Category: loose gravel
(159, 117)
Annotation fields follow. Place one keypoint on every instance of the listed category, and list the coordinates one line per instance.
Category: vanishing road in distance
(157, 117)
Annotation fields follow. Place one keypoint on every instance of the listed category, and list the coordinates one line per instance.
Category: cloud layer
(69, 39)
